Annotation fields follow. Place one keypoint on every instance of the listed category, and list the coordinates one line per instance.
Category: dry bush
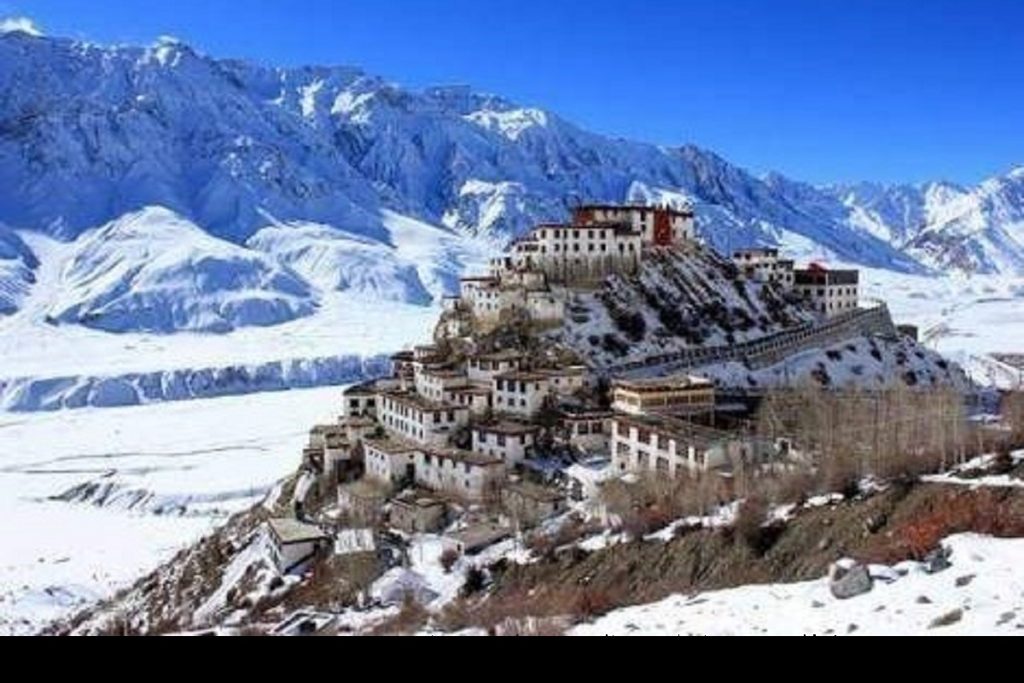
(795, 487)
(592, 602)
(541, 544)
(475, 581)
(751, 518)
(410, 619)
(984, 511)
(643, 521)
(448, 559)
(558, 604)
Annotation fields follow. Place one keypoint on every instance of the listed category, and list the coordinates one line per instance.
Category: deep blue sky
(890, 90)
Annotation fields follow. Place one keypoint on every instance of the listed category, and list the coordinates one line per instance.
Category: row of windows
(511, 402)
(591, 248)
(848, 291)
(587, 428)
(564, 234)
(400, 425)
(514, 386)
(500, 439)
(416, 415)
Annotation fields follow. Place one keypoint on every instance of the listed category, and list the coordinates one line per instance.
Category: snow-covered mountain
(947, 227)
(154, 271)
(336, 260)
(17, 264)
(307, 170)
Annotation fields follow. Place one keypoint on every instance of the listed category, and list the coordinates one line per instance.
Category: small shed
(476, 538)
(418, 514)
(295, 544)
(530, 504)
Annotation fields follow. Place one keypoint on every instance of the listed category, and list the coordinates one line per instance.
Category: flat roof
(633, 207)
(391, 444)
(672, 383)
(329, 430)
(480, 535)
(536, 492)
(418, 402)
(583, 413)
(573, 370)
(289, 531)
(472, 390)
(422, 502)
(364, 488)
(364, 389)
(507, 354)
(507, 427)
(356, 421)
(677, 429)
(443, 373)
(521, 376)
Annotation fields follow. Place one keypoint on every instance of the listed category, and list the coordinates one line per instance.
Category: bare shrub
(475, 581)
(448, 559)
(984, 511)
(410, 619)
(751, 518)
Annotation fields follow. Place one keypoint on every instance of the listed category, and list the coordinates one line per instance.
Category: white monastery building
(828, 292)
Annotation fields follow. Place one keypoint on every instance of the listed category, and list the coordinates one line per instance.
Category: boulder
(938, 560)
(847, 582)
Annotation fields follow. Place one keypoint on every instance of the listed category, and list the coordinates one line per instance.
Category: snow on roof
(287, 531)
(479, 536)
(398, 584)
(663, 383)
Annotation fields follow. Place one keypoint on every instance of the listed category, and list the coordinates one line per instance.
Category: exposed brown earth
(897, 524)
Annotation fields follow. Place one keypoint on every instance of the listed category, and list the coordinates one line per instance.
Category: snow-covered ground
(963, 318)
(195, 461)
(981, 594)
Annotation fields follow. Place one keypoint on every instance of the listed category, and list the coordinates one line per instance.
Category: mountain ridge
(91, 133)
